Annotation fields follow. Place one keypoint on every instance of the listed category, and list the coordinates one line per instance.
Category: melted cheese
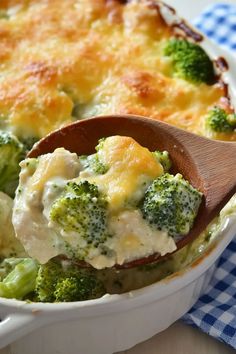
(134, 239)
(91, 57)
(131, 168)
(61, 164)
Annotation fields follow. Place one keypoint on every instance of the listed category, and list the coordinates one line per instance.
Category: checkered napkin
(218, 23)
(215, 312)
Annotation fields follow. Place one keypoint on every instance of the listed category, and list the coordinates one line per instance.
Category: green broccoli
(78, 288)
(164, 159)
(12, 151)
(190, 61)
(219, 121)
(93, 164)
(46, 281)
(171, 204)
(20, 280)
(7, 265)
(58, 282)
(83, 209)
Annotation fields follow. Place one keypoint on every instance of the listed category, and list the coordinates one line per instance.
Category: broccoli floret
(219, 121)
(78, 288)
(20, 280)
(164, 159)
(93, 164)
(12, 151)
(190, 61)
(83, 209)
(47, 278)
(63, 283)
(171, 204)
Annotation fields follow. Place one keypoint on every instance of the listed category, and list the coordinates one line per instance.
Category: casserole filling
(109, 208)
(112, 207)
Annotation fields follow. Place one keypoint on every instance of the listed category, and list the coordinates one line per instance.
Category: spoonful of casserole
(120, 191)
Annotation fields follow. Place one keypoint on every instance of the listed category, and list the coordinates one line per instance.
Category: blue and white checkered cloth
(215, 312)
(218, 23)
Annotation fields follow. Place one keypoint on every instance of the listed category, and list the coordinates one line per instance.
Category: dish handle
(16, 325)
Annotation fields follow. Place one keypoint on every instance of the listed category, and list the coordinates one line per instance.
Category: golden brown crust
(63, 60)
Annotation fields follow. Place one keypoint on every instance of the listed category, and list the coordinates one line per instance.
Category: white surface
(181, 339)
(178, 339)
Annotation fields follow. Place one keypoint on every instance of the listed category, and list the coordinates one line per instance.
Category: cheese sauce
(131, 169)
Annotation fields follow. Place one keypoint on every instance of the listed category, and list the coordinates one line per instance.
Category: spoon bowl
(209, 166)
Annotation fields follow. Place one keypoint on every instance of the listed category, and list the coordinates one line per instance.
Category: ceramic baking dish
(117, 322)
(114, 322)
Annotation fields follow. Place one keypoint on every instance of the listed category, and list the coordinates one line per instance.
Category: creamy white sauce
(131, 237)
(124, 280)
(31, 225)
(9, 246)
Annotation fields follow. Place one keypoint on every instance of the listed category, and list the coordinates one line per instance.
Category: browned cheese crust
(65, 60)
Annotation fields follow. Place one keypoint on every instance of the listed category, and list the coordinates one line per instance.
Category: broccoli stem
(7, 265)
(21, 280)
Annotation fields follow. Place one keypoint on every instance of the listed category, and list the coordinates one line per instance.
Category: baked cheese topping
(66, 60)
(131, 169)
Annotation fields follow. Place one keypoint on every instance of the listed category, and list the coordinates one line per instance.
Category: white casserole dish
(115, 322)
(112, 323)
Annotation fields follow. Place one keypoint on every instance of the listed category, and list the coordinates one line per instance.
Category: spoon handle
(209, 165)
(215, 164)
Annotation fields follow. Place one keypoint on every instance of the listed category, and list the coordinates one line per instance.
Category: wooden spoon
(210, 166)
